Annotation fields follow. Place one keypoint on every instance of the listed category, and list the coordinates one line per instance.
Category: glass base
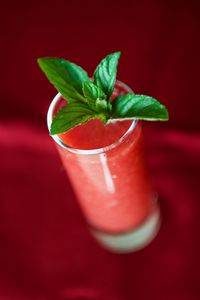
(133, 240)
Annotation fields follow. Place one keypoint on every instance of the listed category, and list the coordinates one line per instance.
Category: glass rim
(87, 151)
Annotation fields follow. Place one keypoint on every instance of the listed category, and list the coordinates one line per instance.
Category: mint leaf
(92, 92)
(105, 73)
(102, 105)
(139, 107)
(95, 96)
(73, 114)
(67, 77)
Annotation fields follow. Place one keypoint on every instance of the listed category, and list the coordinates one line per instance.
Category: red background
(46, 251)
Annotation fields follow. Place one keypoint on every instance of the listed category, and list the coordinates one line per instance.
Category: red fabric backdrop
(46, 251)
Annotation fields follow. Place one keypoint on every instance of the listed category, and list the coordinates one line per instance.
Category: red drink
(107, 169)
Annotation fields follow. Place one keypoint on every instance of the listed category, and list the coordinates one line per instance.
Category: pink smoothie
(94, 135)
(112, 184)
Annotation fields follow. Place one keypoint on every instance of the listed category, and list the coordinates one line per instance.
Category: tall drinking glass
(112, 185)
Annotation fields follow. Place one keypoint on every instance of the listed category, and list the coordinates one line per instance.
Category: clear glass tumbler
(113, 187)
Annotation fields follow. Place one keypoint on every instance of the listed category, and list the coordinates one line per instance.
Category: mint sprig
(90, 99)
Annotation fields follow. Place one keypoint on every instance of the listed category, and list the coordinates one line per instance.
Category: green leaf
(102, 105)
(92, 93)
(105, 73)
(139, 107)
(67, 77)
(73, 114)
